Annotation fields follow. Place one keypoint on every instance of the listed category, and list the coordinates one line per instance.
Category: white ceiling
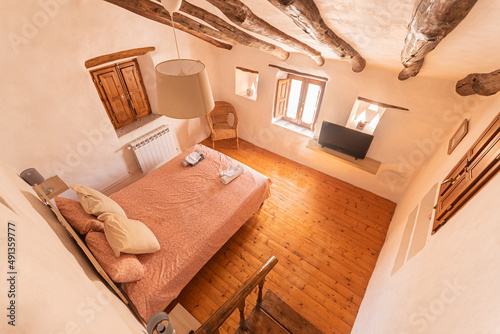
(377, 29)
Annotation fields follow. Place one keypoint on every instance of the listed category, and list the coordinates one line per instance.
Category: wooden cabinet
(122, 92)
(478, 166)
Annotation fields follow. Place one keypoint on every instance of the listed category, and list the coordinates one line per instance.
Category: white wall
(403, 140)
(451, 286)
(52, 115)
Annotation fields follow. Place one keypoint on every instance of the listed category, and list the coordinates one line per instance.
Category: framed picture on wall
(458, 136)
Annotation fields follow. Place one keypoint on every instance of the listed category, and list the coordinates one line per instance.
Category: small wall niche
(246, 83)
(417, 230)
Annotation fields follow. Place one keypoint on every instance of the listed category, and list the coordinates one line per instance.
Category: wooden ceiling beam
(218, 30)
(432, 21)
(117, 56)
(305, 14)
(156, 12)
(241, 15)
(484, 84)
(231, 32)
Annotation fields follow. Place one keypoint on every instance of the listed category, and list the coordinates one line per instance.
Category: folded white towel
(231, 173)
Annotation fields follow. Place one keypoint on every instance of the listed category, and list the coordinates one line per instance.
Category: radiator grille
(154, 148)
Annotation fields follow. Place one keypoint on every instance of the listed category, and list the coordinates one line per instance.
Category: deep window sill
(294, 127)
(137, 124)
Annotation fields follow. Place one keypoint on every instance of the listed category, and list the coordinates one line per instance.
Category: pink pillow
(122, 269)
(76, 216)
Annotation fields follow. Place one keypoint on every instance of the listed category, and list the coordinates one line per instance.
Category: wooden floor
(326, 233)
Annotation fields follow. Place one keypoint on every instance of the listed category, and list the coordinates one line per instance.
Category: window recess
(298, 100)
(246, 83)
(122, 92)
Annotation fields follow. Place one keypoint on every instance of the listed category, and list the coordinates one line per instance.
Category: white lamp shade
(171, 5)
(183, 89)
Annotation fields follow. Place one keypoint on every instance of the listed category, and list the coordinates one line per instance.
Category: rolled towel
(231, 173)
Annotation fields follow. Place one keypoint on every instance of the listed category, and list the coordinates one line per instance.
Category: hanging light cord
(177, 48)
(175, 37)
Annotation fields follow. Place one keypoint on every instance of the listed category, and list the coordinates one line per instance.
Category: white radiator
(154, 148)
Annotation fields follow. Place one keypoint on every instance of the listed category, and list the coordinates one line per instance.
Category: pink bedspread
(192, 214)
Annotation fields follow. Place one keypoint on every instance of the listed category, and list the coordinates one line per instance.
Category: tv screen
(344, 140)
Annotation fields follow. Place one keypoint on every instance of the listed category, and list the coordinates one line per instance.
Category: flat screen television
(345, 140)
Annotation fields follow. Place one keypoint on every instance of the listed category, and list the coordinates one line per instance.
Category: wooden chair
(218, 121)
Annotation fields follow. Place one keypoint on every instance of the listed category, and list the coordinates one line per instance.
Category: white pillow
(95, 202)
(128, 235)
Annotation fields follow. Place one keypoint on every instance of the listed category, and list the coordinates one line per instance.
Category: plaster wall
(450, 285)
(403, 141)
(53, 119)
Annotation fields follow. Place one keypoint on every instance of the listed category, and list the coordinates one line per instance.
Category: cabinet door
(447, 202)
(136, 90)
(450, 191)
(476, 168)
(486, 138)
(453, 175)
(489, 158)
(113, 96)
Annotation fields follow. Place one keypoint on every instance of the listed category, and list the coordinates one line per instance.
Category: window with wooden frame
(298, 100)
(122, 92)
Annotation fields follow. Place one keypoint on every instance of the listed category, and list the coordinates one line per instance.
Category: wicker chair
(218, 121)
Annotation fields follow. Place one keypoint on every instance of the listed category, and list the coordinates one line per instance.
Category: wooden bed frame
(261, 195)
(76, 236)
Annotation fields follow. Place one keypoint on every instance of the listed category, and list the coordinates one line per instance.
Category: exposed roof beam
(432, 21)
(156, 12)
(241, 15)
(479, 83)
(231, 32)
(305, 14)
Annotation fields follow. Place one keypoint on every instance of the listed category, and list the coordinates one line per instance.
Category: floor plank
(326, 234)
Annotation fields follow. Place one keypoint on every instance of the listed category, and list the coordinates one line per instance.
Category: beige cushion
(128, 235)
(96, 203)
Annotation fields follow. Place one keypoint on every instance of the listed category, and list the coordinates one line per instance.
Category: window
(122, 92)
(366, 114)
(298, 100)
(246, 83)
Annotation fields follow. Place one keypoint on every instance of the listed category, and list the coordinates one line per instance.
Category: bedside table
(53, 186)
(182, 320)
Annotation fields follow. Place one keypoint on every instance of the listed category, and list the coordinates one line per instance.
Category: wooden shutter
(473, 171)
(136, 90)
(281, 98)
(113, 96)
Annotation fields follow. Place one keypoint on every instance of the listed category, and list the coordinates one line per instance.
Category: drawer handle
(449, 208)
(451, 179)
(447, 181)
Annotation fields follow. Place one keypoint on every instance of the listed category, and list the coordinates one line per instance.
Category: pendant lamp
(183, 89)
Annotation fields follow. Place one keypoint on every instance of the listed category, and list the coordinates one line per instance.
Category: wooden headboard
(87, 252)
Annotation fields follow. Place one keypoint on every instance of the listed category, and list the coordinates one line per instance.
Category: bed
(192, 214)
